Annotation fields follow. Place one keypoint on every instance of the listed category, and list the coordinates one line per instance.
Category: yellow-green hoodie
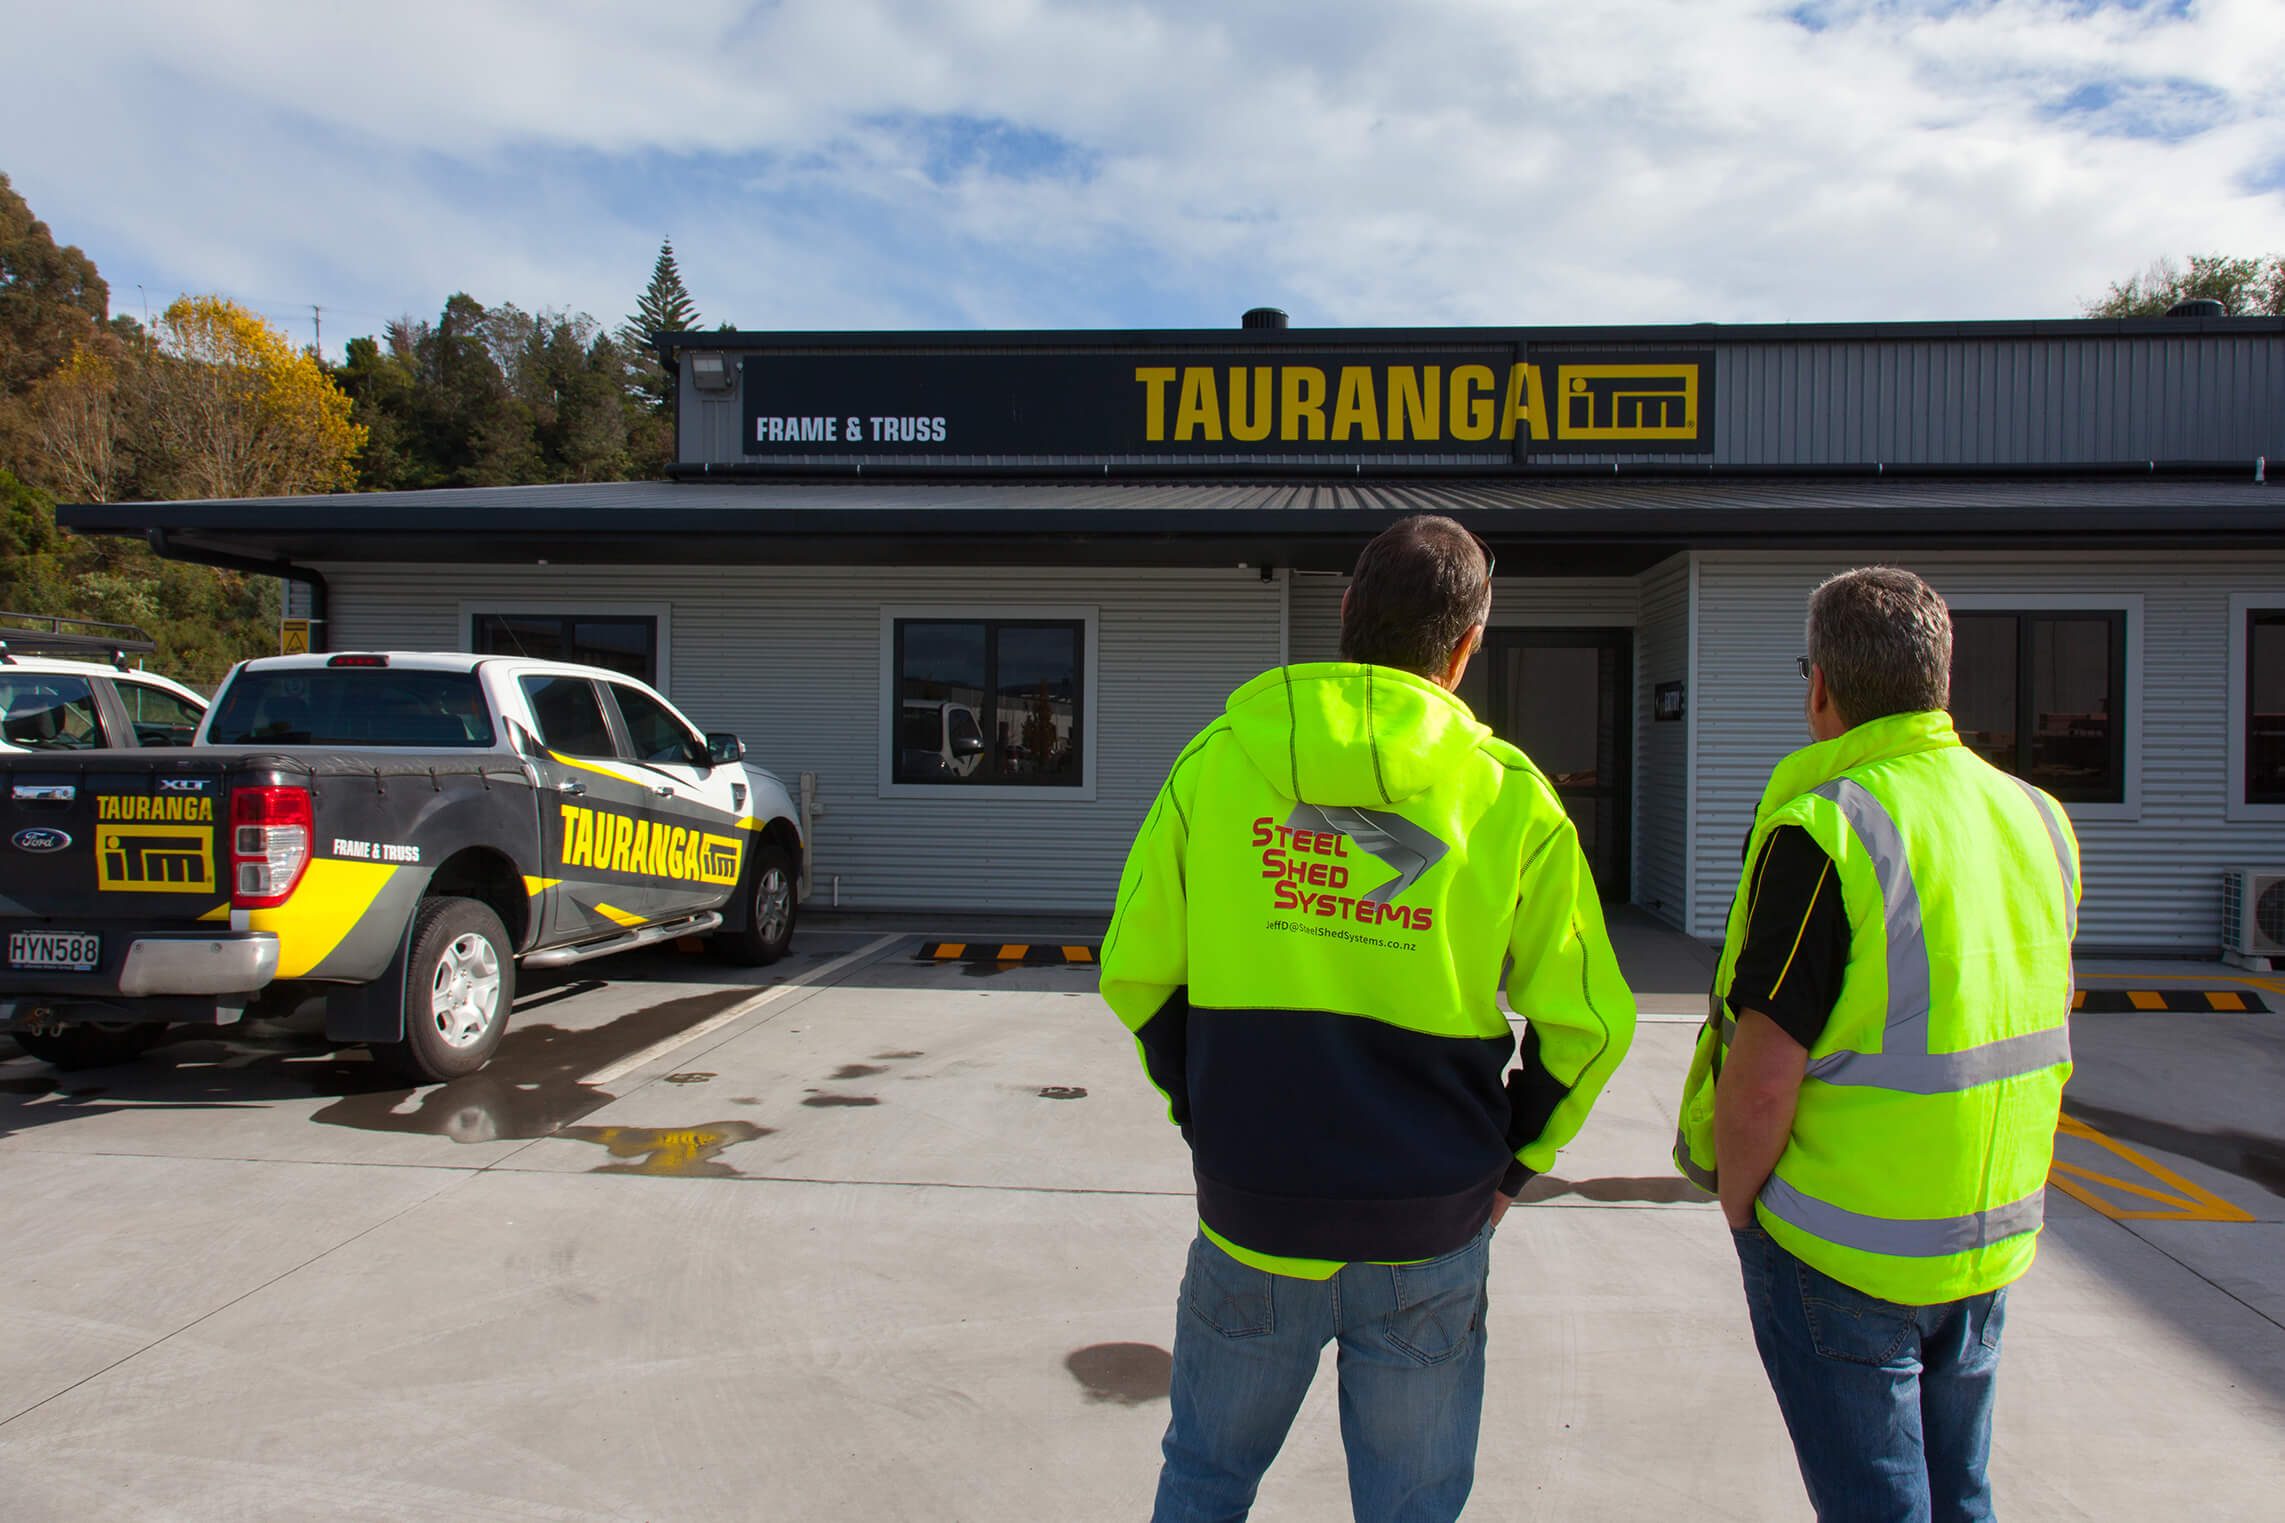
(1308, 948)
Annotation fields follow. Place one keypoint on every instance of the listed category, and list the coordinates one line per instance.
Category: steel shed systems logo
(41, 838)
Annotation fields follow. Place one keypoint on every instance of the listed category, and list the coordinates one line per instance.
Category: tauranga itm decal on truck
(603, 840)
(141, 849)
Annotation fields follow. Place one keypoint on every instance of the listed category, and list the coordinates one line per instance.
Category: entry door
(1566, 697)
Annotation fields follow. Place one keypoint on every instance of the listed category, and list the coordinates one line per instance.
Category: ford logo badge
(40, 838)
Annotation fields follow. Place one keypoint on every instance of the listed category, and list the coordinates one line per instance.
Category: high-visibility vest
(1925, 1126)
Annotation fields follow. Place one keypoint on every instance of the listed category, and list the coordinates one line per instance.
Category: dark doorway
(1566, 696)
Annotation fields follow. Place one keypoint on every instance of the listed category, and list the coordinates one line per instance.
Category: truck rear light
(358, 661)
(269, 844)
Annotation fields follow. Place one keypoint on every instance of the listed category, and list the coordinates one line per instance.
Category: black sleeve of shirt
(1796, 938)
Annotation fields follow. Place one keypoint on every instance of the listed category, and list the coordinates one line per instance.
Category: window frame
(888, 714)
(2127, 608)
(2242, 607)
(607, 690)
(661, 615)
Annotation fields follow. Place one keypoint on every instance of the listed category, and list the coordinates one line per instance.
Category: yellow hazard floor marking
(1014, 951)
(614, 913)
(2145, 999)
(2225, 999)
(2078, 999)
(2181, 1200)
(951, 949)
(1078, 954)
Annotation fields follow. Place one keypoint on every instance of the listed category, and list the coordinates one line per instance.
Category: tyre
(460, 980)
(761, 914)
(91, 1044)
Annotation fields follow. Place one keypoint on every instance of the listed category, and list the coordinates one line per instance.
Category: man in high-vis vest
(1875, 1094)
(1308, 946)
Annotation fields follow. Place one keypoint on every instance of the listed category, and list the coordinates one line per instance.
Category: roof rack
(47, 634)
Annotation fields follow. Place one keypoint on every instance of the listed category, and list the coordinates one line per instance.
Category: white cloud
(828, 163)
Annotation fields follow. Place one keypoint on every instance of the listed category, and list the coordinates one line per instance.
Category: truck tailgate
(105, 842)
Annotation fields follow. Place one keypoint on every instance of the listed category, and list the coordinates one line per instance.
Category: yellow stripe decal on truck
(614, 913)
(334, 895)
(538, 886)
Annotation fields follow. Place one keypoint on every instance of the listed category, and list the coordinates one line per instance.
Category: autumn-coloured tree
(231, 409)
(76, 423)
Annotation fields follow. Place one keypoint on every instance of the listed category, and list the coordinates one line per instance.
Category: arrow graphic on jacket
(1390, 837)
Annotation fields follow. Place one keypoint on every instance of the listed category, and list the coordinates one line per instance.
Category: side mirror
(968, 745)
(723, 748)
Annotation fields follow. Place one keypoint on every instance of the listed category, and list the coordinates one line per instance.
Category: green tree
(51, 298)
(2244, 287)
(664, 307)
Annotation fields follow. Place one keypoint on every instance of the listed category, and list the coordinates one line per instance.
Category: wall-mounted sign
(1669, 701)
(293, 637)
(1492, 402)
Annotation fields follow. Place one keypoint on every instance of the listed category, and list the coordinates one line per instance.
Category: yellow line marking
(1014, 951)
(2225, 999)
(951, 949)
(2145, 999)
(1078, 954)
(622, 917)
(2190, 1202)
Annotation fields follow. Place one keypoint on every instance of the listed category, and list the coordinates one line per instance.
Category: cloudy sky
(1027, 163)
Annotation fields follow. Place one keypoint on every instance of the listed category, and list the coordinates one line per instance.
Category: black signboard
(1494, 403)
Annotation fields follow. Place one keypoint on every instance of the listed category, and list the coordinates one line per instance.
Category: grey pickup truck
(397, 832)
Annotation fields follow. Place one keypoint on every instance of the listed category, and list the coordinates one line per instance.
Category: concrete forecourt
(884, 1237)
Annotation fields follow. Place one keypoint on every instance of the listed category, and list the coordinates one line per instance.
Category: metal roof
(1175, 522)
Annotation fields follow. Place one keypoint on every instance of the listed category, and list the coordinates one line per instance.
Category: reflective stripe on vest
(2062, 855)
(1910, 1238)
(1906, 1064)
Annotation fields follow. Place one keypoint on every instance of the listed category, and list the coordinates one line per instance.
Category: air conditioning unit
(2253, 915)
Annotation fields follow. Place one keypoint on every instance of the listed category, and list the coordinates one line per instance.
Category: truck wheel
(90, 1044)
(764, 912)
(460, 979)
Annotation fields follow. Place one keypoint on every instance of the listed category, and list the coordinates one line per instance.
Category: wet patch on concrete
(1671, 1190)
(2255, 1159)
(896, 1057)
(689, 1078)
(859, 1070)
(1128, 1374)
(531, 1088)
(745, 1099)
(1062, 1092)
(833, 1101)
(668, 1152)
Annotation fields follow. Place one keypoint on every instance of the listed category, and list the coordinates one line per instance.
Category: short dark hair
(1418, 589)
(1884, 640)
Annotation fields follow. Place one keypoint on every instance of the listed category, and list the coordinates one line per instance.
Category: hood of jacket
(1349, 735)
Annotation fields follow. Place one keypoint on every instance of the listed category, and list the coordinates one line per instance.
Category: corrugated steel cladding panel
(1954, 401)
(791, 661)
(1662, 751)
(2154, 882)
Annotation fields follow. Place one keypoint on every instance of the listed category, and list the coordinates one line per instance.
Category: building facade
(983, 587)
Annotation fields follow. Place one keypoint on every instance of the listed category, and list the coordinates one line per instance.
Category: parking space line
(813, 979)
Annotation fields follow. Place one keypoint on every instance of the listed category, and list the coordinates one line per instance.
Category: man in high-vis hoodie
(1308, 947)
(1874, 1095)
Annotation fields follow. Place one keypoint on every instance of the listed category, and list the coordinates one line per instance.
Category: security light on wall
(710, 370)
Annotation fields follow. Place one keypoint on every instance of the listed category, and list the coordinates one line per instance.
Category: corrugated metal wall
(1662, 751)
(1939, 399)
(792, 661)
(1517, 603)
(2153, 882)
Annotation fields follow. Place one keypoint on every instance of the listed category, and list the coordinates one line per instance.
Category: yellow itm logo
(155, 859)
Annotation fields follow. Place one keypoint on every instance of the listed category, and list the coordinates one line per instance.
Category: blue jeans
(1889, 1405)
(1412, 1382)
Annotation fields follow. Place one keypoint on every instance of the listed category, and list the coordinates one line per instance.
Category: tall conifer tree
(665, 307)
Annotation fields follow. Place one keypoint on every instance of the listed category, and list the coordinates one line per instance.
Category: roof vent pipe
(1263, 317)
(2197, 306)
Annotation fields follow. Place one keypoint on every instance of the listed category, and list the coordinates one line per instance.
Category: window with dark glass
(569, 716)
(616, 642)
(990, 702)
(2265, 706)
(653, 732)
(2043, 695)
(160, 718)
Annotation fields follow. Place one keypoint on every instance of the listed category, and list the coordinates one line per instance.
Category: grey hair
(1884, 640)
